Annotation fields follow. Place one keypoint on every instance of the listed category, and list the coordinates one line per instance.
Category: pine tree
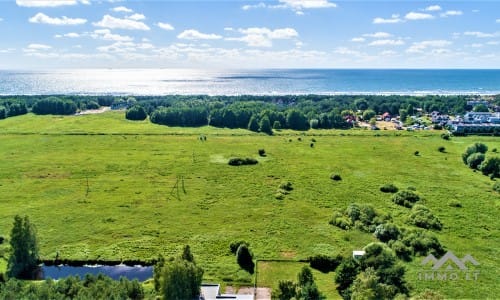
(23, 261)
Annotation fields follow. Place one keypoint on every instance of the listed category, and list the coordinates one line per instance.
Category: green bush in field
(402, 251)
(491, 166)
(389, 188)
(455, 203)
(474, 160)
(405, 198)
(362, 216)
(496, 187)
(244, 258)
(386, 232)
(238, 161)
(475, 148)
(325, 263)
(233, 247)
(422, 217)
(422, 242)
(136, 113)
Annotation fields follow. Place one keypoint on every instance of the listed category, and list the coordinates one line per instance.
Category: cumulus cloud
(263, 37)
(449, 13)
(358, 39)
(433, 8)
(413, 16)
(49, 3)
(125, 47)
(117, 23)
(122, 9)
(193, 34)
(44, 19)
(387, 42)
(32, 48)
(68, 35)
(165, 26)
(393, 20)
(296, 5)
(420, 47)
(480, 34)
(105, 34)
(136, 17)
(378, 35)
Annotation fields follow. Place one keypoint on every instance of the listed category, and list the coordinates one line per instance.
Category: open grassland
(102, 187)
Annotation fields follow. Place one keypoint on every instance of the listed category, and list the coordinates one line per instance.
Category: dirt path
(94, 111)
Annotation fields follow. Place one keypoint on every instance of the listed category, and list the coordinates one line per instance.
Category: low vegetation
(112, 200)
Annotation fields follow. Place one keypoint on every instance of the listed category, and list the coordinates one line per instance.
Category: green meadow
(102, 187)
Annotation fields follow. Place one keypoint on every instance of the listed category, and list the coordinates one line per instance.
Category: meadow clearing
(102, 187)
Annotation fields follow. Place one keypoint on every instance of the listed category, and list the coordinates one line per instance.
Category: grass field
(102, 187)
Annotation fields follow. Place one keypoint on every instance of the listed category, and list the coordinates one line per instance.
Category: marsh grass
(153, 189)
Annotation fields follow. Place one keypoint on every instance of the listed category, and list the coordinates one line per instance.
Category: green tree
(244, 258)
(181, 279)
(345, 275)
(368, 114)
(481, 108)
(253, 124)
(136, 113)
(367, 286)
(296, 120)
(23, 260)
(276, 125)
(187, 255)
(265, 125)
(286, 290)
(491, 166)
(361, 103)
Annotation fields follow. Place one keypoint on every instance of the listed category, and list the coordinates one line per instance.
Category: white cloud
(433, 8)
(136, 17)
(420, 47)
(498, 21)
(8, 50)
(68, 35)
(476, 45)
(418, 16)
(228, 29)
(193, 34)
(346, 51)
(387, 43)
(263, 37)
(122, 9)
(451, 13)
(388, 53)
(296, 5)
(378, 35)
(49, 3)
(259, 5)
(36, 47)
(358, 39)
(44, 19)
(165, 26)
(125, 47)
(105, 34)
(1, 19)
(480, 34)
(117, 23)
(306, 4)
(493, 43)
(393, 20)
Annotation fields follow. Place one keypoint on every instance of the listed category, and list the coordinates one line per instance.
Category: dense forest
(256, 113)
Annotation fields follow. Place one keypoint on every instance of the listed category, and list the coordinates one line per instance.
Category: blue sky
(41, 34)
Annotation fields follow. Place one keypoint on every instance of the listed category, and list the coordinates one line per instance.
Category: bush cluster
(136, 113)
(238, 161)
(422, 217)
(325, 263)
(475, 157)
(406, 198)
(361, 216)
(54, 106)
(335, 177)
(389, 188)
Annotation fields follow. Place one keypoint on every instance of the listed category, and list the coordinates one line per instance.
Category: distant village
(475, 121)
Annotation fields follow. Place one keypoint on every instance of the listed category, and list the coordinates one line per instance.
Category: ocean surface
(249, 82)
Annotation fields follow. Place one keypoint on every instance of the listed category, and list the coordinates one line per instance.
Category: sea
(152, 82)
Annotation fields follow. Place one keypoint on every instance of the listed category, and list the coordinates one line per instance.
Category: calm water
(255, 82)
(137, 272)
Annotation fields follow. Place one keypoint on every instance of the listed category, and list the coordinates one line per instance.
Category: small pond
(140, 273)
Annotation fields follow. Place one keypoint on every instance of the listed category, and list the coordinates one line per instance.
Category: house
(386, 117)
(211, 291)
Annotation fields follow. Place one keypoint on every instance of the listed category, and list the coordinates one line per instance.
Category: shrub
(474, 160)
(235, 245)
(389, 188)
(422, 217)
(341, 222)
(136, 113)
(237, 161)
(386, 232)
(491, 167)
(455, 203)
(286, 186)
(402, 251)
(286, 290)
(405, 198)
(3, 112)
(244, 258)
(353, 212)
(496, 187)
(442, 149)
(262, 152)
(416, 153)
(445, 136)
(335, 177)
(422, 242)
(475, 148)
(325, 263)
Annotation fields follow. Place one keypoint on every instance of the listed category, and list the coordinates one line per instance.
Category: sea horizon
(259, 82)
